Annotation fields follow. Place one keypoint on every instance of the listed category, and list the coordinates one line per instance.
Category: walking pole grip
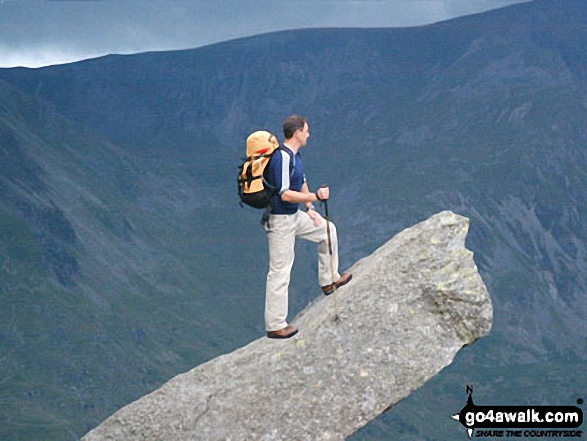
(325, 202)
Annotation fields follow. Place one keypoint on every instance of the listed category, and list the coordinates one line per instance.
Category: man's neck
(292, 146)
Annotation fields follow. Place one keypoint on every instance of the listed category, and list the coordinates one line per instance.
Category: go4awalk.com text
(520, 421)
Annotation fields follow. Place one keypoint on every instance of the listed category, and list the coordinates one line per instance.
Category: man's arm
(305, 196)
(299, 197)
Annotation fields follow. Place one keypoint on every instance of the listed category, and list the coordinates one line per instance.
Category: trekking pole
(327, 217)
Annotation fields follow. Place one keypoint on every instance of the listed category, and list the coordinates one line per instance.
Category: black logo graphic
(519, 417)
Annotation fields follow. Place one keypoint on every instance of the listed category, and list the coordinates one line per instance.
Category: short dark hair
(293, 123)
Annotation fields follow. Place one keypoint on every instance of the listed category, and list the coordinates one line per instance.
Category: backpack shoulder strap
(292, 159)
(266, 175)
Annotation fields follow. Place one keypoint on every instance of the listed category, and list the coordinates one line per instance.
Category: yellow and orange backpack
(253, 188)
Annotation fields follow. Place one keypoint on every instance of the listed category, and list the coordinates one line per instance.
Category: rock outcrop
(411, 306)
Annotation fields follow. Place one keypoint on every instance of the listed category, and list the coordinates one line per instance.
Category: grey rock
(411, 306)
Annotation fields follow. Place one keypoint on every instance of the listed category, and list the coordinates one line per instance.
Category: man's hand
(315, 216)
(323, 193)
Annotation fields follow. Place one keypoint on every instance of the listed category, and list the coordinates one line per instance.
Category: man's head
(295, 130)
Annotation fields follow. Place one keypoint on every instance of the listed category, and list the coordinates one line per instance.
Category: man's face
(303, 135)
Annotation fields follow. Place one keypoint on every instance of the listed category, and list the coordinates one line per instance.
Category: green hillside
(106, 291)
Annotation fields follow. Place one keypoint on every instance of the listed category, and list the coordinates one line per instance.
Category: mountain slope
(89, 262)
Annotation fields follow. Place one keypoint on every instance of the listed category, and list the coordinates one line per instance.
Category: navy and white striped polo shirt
(286, 172)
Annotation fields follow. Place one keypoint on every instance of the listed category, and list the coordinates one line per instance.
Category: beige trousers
(282, 232)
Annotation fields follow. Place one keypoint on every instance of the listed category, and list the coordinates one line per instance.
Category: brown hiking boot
(344, 279)
(287, 332)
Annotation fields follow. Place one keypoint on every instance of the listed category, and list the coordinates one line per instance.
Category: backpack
(253, 188)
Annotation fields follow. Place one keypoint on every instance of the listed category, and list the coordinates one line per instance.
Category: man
(286, 222)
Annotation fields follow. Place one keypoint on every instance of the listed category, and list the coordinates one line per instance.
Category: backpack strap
(265, 218)
(292, 160)
(291, 166)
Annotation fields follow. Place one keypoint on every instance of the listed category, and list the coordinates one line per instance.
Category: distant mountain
(483, 115)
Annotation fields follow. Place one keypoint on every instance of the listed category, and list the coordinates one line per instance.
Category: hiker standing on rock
(286, 222)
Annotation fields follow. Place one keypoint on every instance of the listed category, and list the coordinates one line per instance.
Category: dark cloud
(41, 32)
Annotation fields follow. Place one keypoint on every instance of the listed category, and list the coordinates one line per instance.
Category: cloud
(40, 56)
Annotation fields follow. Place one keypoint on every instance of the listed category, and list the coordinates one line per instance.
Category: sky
(35, 33)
